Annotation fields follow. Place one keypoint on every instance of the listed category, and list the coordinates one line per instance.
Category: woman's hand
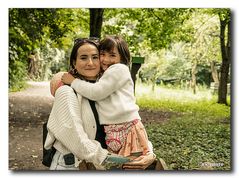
(141, 162)
(67, 78)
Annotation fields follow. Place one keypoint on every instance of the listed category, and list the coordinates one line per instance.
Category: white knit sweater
(114, 93)
(72, 124)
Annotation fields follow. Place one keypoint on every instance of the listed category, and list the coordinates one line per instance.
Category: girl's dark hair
(77, 44)
(108, 44)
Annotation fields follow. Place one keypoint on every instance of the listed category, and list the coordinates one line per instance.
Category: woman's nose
(90, 61)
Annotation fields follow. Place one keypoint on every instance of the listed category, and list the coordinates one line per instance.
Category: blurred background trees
(183, 48)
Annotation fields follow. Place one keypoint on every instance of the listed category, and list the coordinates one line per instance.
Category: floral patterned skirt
(127, 139)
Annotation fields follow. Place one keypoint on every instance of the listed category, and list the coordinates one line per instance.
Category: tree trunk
(153, 84)
(96, 19)
(226, 57)
(31, 66)
(194, 72)
(214, 72)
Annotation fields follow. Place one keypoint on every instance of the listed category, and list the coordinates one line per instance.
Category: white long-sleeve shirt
(72, 126)
(114, 93)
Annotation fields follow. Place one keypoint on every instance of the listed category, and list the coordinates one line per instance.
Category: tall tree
(225, 41)
(96, 19)
(204, 44)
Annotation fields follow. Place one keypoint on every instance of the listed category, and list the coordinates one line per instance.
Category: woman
(73, 129)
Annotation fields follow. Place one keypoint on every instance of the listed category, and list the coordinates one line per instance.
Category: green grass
(198, 134)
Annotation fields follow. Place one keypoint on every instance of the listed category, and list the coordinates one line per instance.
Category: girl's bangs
(107, 45)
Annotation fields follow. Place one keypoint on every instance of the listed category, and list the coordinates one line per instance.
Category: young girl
(114, 94)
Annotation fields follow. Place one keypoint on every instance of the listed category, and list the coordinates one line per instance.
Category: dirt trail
(28, 109)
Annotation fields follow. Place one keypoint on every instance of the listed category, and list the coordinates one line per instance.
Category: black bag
(47, 154)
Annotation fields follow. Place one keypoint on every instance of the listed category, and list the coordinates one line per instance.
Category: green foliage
(49, 61)
(158, 27)
(23, 38)
(198, 133)
(179, 37)
(187, 142)
(170, 39)
(31, 29)
(153, 67)
(17, 76)
(17, 71)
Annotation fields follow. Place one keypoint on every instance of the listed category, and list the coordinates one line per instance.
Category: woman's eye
(95, 57)
(83, 58)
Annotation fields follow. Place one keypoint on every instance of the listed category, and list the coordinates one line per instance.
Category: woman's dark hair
(110, 42)
(77, 44)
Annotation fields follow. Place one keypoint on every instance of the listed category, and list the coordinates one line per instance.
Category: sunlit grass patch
(143, 90)
(181, 101)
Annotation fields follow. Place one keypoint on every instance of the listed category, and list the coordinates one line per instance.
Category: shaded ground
(28, 110)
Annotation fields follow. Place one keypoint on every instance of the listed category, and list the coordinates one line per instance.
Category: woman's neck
(90, 78)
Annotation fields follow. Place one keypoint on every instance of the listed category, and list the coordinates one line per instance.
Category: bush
(17, 69)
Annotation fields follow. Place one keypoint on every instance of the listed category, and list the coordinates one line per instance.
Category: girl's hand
(141, 162)
(56, 82)
(67, 78)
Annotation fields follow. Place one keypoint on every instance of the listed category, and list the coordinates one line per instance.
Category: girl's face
(87, 61)
(109, 58)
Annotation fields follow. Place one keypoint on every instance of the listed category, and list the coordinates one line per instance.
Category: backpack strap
(100, 133)
(93, 108)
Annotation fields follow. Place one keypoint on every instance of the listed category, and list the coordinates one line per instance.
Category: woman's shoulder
(55, 82)
(57, 76)
(63, 90)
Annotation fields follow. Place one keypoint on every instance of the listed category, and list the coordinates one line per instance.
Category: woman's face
(109, 58)
(87, 61)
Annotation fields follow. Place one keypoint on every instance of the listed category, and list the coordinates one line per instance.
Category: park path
(33, 103)
(28, 109)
